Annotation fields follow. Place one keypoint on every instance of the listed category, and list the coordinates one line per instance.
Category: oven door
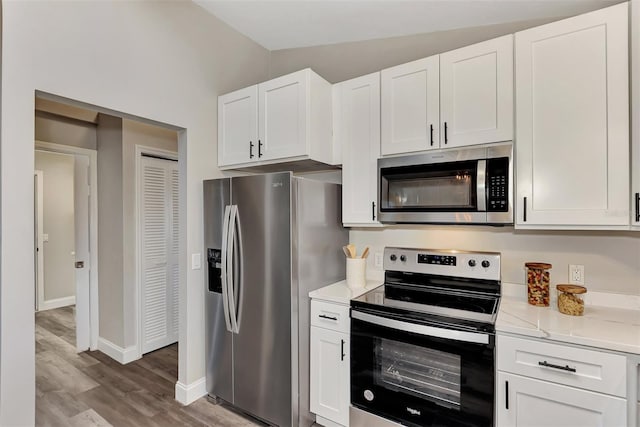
(421, 374)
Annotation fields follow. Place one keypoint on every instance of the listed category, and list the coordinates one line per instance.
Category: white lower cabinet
(541, 383)
(528, 402)
(329, 365)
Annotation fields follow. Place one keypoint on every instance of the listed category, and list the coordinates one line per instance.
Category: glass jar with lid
(538, 283)
(570, 300)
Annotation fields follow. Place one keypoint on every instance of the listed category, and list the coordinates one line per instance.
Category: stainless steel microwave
(459, 186)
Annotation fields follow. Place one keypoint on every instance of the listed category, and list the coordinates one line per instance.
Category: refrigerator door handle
(223, 267)
(233, 216)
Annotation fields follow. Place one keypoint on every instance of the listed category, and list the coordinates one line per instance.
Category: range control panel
(475, 265)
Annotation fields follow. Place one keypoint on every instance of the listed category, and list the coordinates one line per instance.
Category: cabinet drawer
(576, 367)
(330, 316)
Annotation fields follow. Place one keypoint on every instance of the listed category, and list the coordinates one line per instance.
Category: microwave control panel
(497, 185)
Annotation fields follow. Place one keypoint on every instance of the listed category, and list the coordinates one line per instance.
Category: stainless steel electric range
(422, 345)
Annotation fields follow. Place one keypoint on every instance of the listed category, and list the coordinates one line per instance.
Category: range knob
(393, 257)
(486, 263)
(472, 263)
(403, 258)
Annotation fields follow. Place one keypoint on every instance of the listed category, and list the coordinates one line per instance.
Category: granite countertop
(603, 327)
(341, 293)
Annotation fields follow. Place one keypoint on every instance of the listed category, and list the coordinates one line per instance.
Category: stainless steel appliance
(422, 345)
(469, 186)
(270, 239)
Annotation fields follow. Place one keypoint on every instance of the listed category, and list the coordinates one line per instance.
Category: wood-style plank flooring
(91, 389)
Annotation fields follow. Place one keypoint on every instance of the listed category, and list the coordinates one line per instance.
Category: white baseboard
(117, 353)
(50, 304)
(189, 393)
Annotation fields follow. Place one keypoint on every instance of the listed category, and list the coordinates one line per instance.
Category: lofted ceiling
(277, 24)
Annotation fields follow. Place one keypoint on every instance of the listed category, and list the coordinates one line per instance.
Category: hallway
(91, 389)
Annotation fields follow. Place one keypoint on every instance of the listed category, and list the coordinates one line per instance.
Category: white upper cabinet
(285, 119)
(282, 118)
(410, 97)
(359, 129)
(572, 137)
(476, 93)
(238, 126)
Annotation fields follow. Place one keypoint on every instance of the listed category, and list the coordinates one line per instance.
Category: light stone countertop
(604, 327)
(340, 293)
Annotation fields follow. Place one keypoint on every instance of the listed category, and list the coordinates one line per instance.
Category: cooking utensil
(346, 251)
(365, 253)
(352, 250)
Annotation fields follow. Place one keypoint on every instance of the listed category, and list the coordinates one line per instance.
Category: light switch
(195, 262)
(45, 237)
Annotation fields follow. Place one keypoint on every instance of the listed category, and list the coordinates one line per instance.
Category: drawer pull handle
(551, 365)
(335, 319)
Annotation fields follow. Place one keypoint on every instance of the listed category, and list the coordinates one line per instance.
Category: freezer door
(262, 345)
(219, 344)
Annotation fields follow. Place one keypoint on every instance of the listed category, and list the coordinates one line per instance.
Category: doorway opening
(98, 319)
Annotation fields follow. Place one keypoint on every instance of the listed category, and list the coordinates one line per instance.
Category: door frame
(38, 229)
(170, 155)
(93, 229)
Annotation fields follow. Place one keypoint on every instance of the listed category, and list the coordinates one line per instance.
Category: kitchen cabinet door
(526, 402)
(410, 107)
(360, 130)
(329, 381)
(572, 106)
(476, 93)
(283, 116)
(238, 127)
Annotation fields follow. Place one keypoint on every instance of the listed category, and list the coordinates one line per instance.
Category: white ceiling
(277, 24)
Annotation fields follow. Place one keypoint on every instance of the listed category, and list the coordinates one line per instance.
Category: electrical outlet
(378, 260)
(576, 274)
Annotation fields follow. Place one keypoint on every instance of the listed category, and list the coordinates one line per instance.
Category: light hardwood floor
(91, 389)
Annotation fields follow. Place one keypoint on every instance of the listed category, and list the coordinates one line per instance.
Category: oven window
(421, 372)
(432, 192)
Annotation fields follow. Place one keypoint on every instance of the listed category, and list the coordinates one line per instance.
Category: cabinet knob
(251, 150)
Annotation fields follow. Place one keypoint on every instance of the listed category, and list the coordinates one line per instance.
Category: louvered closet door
(159, 243)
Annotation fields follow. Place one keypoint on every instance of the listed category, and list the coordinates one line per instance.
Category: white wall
(110, 237)
(611, 259)
(58, 223)
(164, 61)
(343, 61)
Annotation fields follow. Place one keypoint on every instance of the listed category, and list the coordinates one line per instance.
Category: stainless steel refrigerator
(270, 239)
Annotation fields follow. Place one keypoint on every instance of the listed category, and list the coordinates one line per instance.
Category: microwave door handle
(425, 330)
(481, 186)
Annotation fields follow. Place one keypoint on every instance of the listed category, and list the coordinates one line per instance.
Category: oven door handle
(481, 186)
(415, 328)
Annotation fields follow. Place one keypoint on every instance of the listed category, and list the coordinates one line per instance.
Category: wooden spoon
(352, 250)
(365, 253)
(346, 251)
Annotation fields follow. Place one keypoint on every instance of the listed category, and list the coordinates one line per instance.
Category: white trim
(139, 151)
(186, 394)
(117, 353)
(39, 230)
(93, 228)
(56, 303)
